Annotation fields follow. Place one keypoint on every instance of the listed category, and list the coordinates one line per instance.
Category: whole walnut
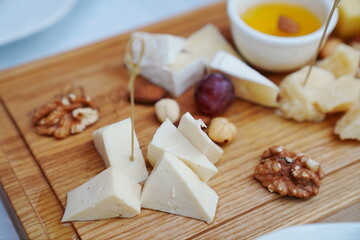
(289, 173)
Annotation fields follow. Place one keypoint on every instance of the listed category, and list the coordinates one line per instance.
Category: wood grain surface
(245, 209)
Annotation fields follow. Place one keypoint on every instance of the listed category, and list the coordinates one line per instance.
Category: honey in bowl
(265, 18)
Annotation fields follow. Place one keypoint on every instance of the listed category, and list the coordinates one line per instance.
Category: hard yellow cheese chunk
(349, 18)
(298, 101)
(344, 61)
(348, 127)
(340, 95)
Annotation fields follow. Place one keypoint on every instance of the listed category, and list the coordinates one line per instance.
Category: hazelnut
(167, 109)
(222, 131)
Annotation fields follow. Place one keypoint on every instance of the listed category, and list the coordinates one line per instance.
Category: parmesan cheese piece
(249, 84)
(169, 138)
(109, 194)
(174, 188)
(113, 142)
(192, 130)
(297, 101)
(349, 18)
(340, 95)
(348, 127)
(343, 61)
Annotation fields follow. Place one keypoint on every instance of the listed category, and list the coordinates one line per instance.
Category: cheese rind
(113, 142)
(192, 130)
(109, 194)
(168, 138)
(249, 84)
(159, 49)
(174, 188)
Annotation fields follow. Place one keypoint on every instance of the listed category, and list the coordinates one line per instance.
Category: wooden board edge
(29, 208)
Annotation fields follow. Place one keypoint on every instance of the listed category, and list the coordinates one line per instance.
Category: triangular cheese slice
(113, 142)
(249, 84)
(174, 188)
(192, 130)
(168, 138)
(109, 194)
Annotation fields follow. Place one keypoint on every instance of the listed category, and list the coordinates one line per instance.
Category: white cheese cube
(159, 49)
(192, 130)
(113, 142)
(174, 188)
(109, 194)
(168, 138)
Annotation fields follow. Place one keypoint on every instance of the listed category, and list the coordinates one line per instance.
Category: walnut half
(289, 173)
(65, 115)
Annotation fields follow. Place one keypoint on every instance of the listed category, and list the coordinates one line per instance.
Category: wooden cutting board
(38, 171)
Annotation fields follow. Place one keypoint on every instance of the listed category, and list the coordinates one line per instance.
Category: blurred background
(35, 29)
(31, 30)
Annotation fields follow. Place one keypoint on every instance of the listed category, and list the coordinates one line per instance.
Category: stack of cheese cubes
(183, 159)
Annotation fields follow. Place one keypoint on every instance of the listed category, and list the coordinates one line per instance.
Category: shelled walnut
(65, 115)
(289, 173)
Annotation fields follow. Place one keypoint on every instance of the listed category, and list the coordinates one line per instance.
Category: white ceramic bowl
(273, 53)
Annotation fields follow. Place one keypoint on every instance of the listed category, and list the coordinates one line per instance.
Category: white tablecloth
(88, 21)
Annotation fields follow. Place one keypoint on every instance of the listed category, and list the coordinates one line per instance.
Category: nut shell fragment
(289, 173)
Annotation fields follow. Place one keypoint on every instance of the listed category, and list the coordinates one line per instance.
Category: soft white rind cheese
(174, 188)
(168, 138)
(192, 130)
(159, 49)
(113, 142)
(109, 194)
(176, 81)
(191, 58)
(249, 84)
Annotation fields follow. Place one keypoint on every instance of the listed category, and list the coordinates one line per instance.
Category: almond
(288, 25)
(147, 93)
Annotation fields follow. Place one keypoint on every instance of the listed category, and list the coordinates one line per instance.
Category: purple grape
(214, 94)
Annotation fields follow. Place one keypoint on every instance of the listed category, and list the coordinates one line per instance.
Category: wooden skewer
(134, 71)
(313, 61)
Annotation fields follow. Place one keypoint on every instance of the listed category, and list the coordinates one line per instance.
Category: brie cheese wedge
(109, 194)
(174, 188)
(168, 138)
(249, 84)
(113, 142)
(159, 49)
(191, 58)
(192, 130)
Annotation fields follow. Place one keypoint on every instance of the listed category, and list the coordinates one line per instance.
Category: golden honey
(264, 18)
